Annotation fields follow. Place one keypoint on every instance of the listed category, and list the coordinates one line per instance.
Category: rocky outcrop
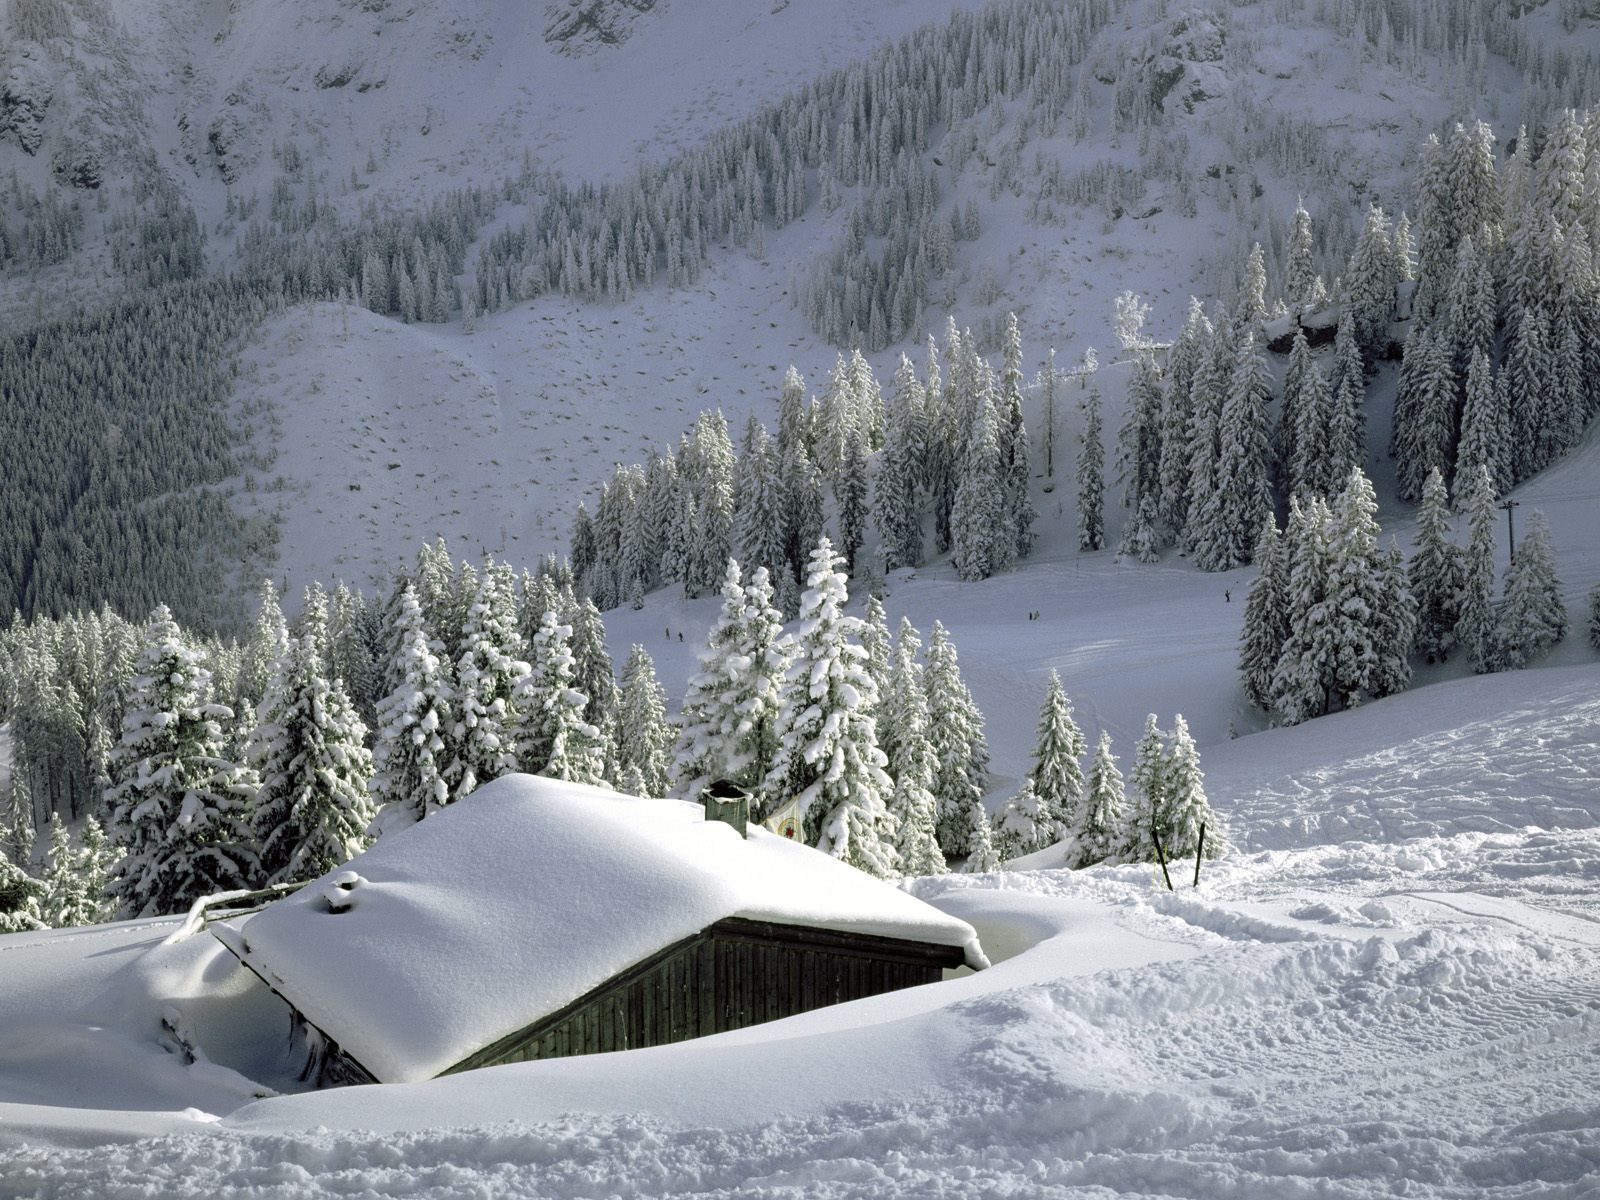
(24, 98)
(577, 25)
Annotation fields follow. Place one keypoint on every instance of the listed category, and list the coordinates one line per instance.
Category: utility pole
(1511, 534)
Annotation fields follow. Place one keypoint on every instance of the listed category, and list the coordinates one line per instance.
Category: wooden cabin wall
(735, 974)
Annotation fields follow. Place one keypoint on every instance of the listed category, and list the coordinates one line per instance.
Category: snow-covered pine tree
(1425, 421)
(828, 757)
(1015, 458)
(1533, 616)
(804, 514)
(1266, 619)
(895, 508)
(1300, 273)
(1242, 471)
(177, 806)
(979, 543)
(19, 898)
(982, 854)
(1369, 285)
(411, 757)
(1476, 626)
(794, 420)
(1303, 681)
(266, 641)
(1022, 825)
(850, 495)
(1091, 476)
(551, 737)
(1353, 593)
(1290, 418)
(913, 765)
(1396, 627)
(67, 899)
(1147, 803)
(1435, 573)
(491, 668)
(1177, 419)
(759, 502)
(959, 745)
(312, 807)
(1099, 831)
(1210, 392)
(1185, 809)
(1485, 432)
(644, 739)
(1057, 773)
(1317, 449)
(594, 676)
(1347, 417)
(726, 727)
(1139, 460)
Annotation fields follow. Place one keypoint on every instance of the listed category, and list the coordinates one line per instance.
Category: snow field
(1344, 1018)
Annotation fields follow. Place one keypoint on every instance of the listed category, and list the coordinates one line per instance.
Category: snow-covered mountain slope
(1349, 1018)
(226, 99)
(1270, 104)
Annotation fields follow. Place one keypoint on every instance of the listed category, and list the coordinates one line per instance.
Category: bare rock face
(24, 98)
(580, 25)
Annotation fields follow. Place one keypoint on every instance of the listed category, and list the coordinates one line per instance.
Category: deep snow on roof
(510, 904)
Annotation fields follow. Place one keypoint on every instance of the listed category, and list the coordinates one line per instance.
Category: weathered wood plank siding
(734, 974)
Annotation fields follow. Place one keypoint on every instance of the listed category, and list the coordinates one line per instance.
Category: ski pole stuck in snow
(1161, 857)
(1199, 853)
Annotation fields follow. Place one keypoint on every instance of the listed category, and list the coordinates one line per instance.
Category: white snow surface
(1337, 1015)
(505, 907)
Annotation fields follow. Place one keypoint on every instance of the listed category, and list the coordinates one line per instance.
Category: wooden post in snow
(1161, 857)
(1199, 853)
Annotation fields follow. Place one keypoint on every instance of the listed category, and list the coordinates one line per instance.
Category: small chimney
(727, 802)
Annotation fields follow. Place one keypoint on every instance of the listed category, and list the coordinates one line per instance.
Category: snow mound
(520, 899)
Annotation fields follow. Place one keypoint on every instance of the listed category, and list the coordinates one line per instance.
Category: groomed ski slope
(1345, 1018)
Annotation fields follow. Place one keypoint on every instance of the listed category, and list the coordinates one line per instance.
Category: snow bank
(505, 907)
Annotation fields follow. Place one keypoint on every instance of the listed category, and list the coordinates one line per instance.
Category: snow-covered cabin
(536, 919)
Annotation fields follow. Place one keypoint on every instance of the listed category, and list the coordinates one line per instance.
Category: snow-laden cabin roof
(504, 907)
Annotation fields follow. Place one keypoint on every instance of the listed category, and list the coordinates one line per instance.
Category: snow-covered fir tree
(411, 757)
(312, 807)
(644, 739)
(980, 542)
(551, 737)
(1147, 799)
(177, 806)
(72, 884)
(1056, 777)
(1435, 573)
(1533, 615)
(1022, 825)
(1091, 476)
(1353, 597)
(1185, 809)
(1266, 618)
(1100, 829)
(1303, 680)
(983, 855)
(19, 898)
(727, 724)
(828, 757)
(1476, 627)
(1369, 285)
(594, 676)
(896, 511)
(913, 765)
(1243, 493)
(491, 668)
(959, 745)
